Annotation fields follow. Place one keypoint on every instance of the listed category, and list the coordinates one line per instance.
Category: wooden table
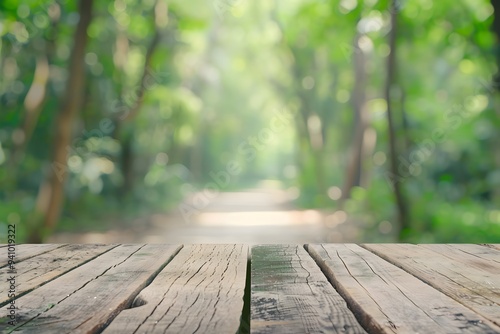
(322, 288)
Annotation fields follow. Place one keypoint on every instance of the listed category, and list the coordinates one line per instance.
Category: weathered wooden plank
(200, 291)
(470, 274)
(36, 271)
(26, 251)
(290, 294)
(495, 246)
(387, 299)
(85, 299)
(479, 257)
(475, 256)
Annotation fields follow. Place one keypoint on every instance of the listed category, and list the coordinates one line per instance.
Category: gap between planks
(291, 295)
(361, 318)
(469, 274)
(99, 290)
(33, 272)
(26, 251)
(200, 291)
(387, 299)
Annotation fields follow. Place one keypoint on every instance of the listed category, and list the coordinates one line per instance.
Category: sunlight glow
(260, 218)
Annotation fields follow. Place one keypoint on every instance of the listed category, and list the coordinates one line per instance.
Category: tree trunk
(495, 27)
(37, 94)
(404, 224)
(125, 137)
(353, 168)
(127, 164)
(50, 198)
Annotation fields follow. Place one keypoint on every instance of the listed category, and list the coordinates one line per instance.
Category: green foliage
(220, 72)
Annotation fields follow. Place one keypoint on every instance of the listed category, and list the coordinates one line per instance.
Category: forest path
(254, 216)
(249, 216)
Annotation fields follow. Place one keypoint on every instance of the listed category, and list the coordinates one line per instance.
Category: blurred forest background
(382, 114)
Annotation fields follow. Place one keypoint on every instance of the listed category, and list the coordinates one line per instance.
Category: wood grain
(290, 294)
(387, 299)
(200, 291)
(85, 299)
(495, 246)
(36, 271)
(26, 251)
(482, 258)
(470, 274)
